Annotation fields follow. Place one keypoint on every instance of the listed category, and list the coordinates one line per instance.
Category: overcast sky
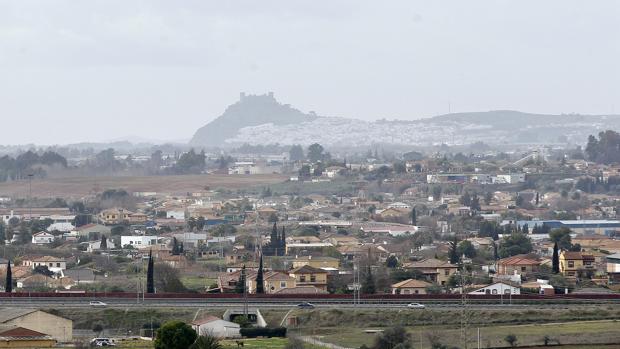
(73, 71)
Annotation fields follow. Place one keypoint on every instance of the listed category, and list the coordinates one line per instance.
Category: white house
(138, 241)
(498, 288)
(42, 238)
(61, 226)
(175, 214)
(216, 327)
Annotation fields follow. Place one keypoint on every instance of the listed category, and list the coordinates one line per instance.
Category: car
(416, 306)
(305, 305)
(97, 304)
(102, 342)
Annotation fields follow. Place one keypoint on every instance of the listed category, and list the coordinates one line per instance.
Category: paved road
(263, 304)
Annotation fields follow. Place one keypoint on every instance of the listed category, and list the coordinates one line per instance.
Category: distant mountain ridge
(261, 119)
(250, 110)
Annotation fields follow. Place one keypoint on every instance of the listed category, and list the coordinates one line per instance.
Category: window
(58, 265)
(523, 268)
(571, 264)
(494, 292)
(416, 291)
(446, 272)
(51, 264)
(312, 278)
(282, 284)
(302, 278)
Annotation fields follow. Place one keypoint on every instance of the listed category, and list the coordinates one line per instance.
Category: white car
(97, 304)
(416, 306)
(102, 342)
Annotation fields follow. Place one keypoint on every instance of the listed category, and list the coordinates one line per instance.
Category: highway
(84, 302)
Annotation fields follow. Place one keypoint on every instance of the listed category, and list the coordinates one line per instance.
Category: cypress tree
(414, 218)
(104, 243)
(556, 259)
(454, 255)
(283, 243)
(8, 286)
(369, 283)
(150, 283)
(259, 277)
(175, 246)
(240, 287)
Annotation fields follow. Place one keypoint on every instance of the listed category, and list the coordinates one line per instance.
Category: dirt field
(81, 186)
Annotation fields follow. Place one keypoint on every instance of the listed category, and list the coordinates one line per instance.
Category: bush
(511, 339)
(175, 335)
(263, 332)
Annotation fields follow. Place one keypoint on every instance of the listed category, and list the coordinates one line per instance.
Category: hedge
(263, 332)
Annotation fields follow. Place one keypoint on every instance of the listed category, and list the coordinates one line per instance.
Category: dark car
(305, 305)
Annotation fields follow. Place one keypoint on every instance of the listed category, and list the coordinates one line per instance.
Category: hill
(250, 110)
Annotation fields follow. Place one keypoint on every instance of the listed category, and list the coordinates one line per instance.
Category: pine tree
(369, 283)
(414, 218)
(556, 259)
(104, 243)
(240, 287)
(260, 288)
(537, 198)
(150, 281)
(8, 285)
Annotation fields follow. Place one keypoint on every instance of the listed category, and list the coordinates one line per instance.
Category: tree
(175, 335)
(556, 258)
(414, 218)
(167, 279)
(8, 284)
(2, 233)
(393, 338)
(206, 342)
(391, 262)
(511, 339)
(368, 286)
(43, 270)
(488, 197)
(104, 243)
(537, 198)
(294, 343)
(150, 281)
(561, 236)
(515, 244)
(315, 152)
(240, 286)
(98, 328)
(453, 253)
(260, 287)
(296, 153)
(175, 247)
(467, 249)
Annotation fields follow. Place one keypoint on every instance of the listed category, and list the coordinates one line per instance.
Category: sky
(101, 70)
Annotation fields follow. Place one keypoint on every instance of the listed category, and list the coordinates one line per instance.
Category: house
(114, 216)
(57, 327)
(276, 282)
(42, 238)
(216, 327)
(79, 276)
(61, 227)
(92, 231)
(498, 288)
(138, 241)
(577, 264)
(36, 281)
(19, 337)
(520, 264)
(435, 270)
(175, 261)
(613, 268)
(317, 262)
(54, 264)
(410, 286)
(310, 276)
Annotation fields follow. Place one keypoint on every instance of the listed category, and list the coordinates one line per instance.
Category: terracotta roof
(21, 332)
(301, 290)
(573, 255)
(411, 283)
(430, 263)
(518, 260)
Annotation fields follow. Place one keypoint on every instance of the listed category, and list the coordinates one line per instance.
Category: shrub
(263, 332)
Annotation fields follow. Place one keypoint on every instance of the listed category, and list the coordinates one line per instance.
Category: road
(65, 302)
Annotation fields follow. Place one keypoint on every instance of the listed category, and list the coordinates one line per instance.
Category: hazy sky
(86, 70)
